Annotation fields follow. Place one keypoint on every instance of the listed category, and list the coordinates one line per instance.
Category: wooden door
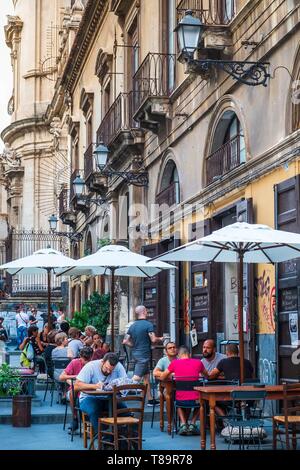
(288, 281)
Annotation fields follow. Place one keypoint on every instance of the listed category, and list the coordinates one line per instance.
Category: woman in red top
(186, 368)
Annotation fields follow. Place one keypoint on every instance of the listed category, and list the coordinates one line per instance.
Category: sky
(6, 8)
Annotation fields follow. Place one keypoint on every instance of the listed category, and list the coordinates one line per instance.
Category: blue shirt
(91, 373)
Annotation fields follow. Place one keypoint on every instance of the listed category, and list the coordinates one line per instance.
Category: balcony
(210, 12)
(66, 214)
(118, 130)
(153, 84)
(225, 159)
(169, 196)
(76, 203)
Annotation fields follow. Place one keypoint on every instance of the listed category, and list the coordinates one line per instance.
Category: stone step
(7, 402)
(55, 418)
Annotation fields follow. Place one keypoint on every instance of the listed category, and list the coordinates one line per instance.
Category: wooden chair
(288, 424)
(87, 430)
(111, 429)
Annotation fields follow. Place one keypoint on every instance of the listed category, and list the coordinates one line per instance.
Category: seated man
(190, 368)
(211, 357)
(230, 366)
(75, 344)
(164, 362)
(94, 376)
(71, 372)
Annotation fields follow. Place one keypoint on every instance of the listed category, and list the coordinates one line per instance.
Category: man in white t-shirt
(95, 375)
(22, 321)
(211, 357)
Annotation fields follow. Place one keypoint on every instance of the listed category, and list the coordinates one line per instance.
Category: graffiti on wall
(267, 371)
(266, 302)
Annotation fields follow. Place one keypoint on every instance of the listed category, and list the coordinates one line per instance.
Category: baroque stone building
(215, 150)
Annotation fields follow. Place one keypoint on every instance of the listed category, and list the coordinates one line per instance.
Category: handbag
(27, 355)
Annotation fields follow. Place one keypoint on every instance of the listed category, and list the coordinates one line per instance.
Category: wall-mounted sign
(293, 328)
(200, 279)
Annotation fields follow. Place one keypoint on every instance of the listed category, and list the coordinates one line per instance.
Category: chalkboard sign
(288, 300)
(200, 301)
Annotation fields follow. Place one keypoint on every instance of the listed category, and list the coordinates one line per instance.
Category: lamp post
(78, 186)
(137, 177)
(189, 35)
(73, 236)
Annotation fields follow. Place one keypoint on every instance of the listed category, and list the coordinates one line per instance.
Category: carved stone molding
(13, 31)
(86, 101)
(103, 65)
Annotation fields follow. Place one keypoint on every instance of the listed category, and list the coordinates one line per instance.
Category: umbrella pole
(112, 309)
(49, 298)
(240, 314)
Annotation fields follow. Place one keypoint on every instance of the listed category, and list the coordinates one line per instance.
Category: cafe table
(223, 393)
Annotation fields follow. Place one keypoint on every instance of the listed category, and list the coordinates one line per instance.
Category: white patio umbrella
(240, 243)
(115, 260)
(46, 259)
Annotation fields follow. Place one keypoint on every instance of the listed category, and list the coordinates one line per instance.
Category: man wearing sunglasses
(164, 362)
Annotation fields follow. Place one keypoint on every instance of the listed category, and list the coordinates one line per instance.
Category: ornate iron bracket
(137, 178)
(73, 236)
(248, 73)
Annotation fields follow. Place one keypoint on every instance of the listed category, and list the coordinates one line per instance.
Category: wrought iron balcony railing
(210, 12)
(169, 196)
(225, 159)
(154, 78)
(117, 119)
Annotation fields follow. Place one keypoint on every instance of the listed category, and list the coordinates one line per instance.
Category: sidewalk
(46, 432)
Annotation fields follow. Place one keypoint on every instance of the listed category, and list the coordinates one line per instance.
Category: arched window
(228, 149)
(169, 189)
(88, 245)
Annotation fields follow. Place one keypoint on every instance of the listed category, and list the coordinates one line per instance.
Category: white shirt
(22, 319)
(91, 374)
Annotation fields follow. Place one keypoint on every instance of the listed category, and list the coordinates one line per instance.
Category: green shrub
(95, 312)
(10, 381)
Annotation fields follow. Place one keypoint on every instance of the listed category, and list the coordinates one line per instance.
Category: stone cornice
(24, 125)
(91, 20)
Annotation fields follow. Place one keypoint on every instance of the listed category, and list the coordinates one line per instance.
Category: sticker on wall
(293, 327)
(194, 338)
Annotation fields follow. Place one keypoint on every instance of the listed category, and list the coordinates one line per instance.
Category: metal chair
(183, 384)
(287, 425)
(59, 364)
(74, 405)
(110, 429)
(247, 417)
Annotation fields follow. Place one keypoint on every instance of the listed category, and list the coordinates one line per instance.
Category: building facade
(215, 150)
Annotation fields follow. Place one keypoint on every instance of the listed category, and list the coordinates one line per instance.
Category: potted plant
(11, 387)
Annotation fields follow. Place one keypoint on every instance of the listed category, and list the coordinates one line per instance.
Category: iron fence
(223, 160)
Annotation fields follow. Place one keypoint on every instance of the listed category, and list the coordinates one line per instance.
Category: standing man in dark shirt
(140, 336)
(230, 367)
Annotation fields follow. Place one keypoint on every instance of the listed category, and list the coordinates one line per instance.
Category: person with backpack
(32, 350)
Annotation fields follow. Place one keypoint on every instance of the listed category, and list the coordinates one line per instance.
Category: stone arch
(225, 110)
(88, 245)
(292, 121)
(169, 172)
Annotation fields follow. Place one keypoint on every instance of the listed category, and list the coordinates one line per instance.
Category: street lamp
(189, 34)
(78, 186)
(74, 236)
(136, 177)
